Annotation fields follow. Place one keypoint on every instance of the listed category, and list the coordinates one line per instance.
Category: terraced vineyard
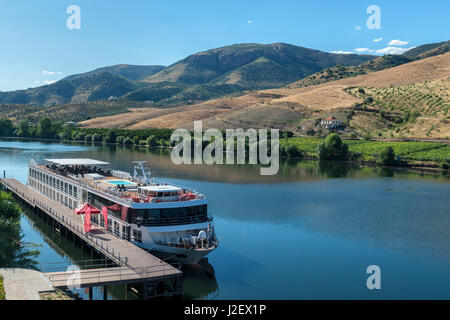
(413, 110)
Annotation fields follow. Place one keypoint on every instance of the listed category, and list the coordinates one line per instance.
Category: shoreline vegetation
(2, 290)
(411, 154)
(14, 252)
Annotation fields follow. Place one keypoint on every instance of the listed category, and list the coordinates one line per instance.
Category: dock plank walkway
(96, 277)
(135, 262)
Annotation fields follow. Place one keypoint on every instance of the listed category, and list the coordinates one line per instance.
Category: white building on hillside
(330, 122)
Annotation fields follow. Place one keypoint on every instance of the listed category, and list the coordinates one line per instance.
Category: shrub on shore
(14, 251)
(332, 148)
(387, 156)
(2, 290)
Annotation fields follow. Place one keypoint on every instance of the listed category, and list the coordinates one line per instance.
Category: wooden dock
(134, 264)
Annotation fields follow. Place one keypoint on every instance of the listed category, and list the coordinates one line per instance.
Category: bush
(151, 141)
(110, 136)
(45, 129)
(293, 151)
(88, 138)
(387, 156)
(311, 132)
(332, 148)
(120, 139)
(2, 290)
(135, 140)
(127, 141)
(368, 100)
(96, 137)
(6, 128)
(78, 136)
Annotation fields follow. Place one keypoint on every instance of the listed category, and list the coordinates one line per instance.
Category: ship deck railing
(126, 197)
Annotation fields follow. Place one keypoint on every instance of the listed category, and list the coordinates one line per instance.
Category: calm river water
(309, 232)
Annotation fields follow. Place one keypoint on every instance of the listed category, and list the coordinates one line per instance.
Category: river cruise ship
(170, 221)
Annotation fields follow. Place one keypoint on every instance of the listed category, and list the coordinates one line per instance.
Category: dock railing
(88, 237)
(102, 275)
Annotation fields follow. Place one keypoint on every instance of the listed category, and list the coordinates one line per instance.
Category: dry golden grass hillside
(421, 83)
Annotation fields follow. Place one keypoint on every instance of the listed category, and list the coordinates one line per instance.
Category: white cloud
(342, 52)
(361, 50)
(377, 39)
(398, 43)
(393, 50)
(249, 21)
(50, 73)
(357, 28)
(49, 81)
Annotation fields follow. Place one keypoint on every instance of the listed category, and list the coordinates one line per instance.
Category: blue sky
(38, 48)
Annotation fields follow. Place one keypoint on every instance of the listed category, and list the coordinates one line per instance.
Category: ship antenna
(140, 165)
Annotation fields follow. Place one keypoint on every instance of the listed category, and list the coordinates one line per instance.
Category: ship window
(116, 229)
(137, 235)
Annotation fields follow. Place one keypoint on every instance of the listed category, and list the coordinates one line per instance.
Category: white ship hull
(180, 255)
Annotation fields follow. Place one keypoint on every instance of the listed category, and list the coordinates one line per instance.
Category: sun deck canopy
(160, 188)
(75, 162)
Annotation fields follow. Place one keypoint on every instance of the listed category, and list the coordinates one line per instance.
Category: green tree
(96, 137)
(293, 151)
(127, 141)
(14, 253)
(120, 139)
(387, 156)
(66, 134)
(88, 138)
(111, 136)
(151, 141)
(6, 127)
(24, 128)
(332, 147)
(45, 129)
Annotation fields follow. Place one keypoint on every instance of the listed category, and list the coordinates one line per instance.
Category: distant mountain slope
(199, 77)
(377, 64)
(127, 71)
(253, 65)
(342, 72)
(97, 86)
(427, 50)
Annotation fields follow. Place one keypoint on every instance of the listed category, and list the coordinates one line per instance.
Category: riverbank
(426, 156)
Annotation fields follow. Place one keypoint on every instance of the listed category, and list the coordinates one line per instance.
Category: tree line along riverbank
(332, 147)
(14, 252)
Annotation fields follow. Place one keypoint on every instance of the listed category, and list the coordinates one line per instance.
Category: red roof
(83, 209)
(329, 119)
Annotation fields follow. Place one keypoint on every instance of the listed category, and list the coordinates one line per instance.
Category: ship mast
(146, 173)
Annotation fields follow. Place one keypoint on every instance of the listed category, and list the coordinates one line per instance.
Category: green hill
(428, 50)
(253, 65)
(127, 71)
(87, 88)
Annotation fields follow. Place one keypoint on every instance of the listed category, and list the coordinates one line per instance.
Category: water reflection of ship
(199, 281)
